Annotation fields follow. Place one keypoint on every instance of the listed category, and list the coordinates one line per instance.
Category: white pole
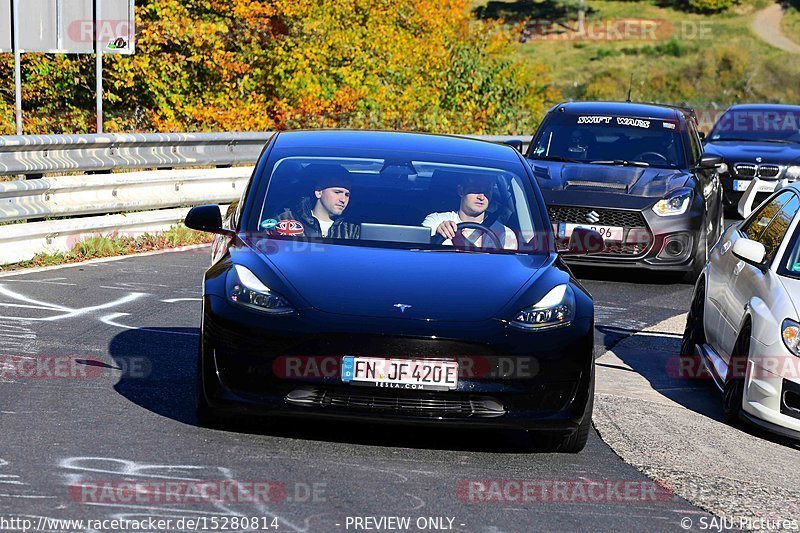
(98, 52)
(17, 67)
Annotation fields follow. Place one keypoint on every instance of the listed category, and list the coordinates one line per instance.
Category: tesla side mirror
(516, 144)
(206, 218)
(752, 252)
(584, 241)
(709, 160)
(702, 135)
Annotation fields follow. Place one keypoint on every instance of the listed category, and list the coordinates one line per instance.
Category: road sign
(66, 27)
(69, 26)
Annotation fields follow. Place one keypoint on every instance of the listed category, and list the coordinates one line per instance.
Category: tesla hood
(379, 282)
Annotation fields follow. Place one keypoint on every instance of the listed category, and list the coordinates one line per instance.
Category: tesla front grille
(605, 217)
(420, 404)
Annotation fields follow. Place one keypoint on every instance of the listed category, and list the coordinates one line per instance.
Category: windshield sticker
(289, 227)
(270, 223)
(636, 122)
(593, 119)
(669, 125)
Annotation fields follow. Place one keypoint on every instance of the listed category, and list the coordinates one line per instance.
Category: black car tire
(576, 441)
(694, 333)
(206, 415)
(733, 391)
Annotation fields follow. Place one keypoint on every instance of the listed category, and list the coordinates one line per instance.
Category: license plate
(741, 185)
(400, 373)
(609, 233)
(764, 186)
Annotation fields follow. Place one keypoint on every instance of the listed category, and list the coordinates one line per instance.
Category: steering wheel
(460, 241)
(644, 155)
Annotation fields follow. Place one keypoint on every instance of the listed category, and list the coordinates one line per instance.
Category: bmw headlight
(792, 173)
(244, 288)
(557, 308)
(677, 203)
(790, 332)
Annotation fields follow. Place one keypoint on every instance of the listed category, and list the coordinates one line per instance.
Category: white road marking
(111, 321)
(52, 281)
(173, 300)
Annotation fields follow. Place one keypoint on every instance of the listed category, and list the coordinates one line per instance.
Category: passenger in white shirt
(476, 194)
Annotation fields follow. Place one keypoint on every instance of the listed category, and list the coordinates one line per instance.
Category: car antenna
(630, 86)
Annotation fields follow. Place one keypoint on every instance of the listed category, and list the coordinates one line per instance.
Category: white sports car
(744, 323)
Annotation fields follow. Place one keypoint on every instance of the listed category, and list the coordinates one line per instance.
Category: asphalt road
(127, 332)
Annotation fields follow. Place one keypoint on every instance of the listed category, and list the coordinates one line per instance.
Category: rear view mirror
(709, 160)
(206, 218)
(584, 241)
(752, 252)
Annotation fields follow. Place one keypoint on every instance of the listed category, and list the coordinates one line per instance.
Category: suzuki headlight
(790, 332)
(792, 173)
(556, 309)
(244, 288)
(677, 203)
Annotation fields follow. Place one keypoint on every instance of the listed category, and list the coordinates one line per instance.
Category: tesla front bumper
(291, 366)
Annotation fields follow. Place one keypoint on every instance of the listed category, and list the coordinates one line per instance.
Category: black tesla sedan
(395, 277)
(635, 173)
(756, 141)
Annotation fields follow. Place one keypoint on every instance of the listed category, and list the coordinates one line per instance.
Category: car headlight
(790, 332)
(677, 203)
(792, 172)
(557, 308)
(244, 288)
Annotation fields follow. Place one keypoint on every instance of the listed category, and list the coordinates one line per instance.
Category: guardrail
(158, 197)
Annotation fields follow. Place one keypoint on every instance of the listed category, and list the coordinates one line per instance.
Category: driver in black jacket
(476, 194)
(321, 215)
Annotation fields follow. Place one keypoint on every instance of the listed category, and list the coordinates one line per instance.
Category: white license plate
(609, 233)
(741, 185)
(400, 373)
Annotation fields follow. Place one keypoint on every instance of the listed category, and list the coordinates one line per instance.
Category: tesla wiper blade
(558, 158)
(621, 163)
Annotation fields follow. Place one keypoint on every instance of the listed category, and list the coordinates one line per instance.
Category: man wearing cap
(321, 215)
(476, 194)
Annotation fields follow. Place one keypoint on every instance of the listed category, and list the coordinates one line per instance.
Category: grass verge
(706, 61)
(115, 245)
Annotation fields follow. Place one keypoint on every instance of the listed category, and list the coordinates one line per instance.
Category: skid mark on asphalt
(83, 473)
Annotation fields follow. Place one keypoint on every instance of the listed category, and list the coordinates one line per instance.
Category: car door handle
(738, 268)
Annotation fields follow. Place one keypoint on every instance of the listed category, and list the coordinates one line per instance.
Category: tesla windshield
(761, 125)
(612, 140)
(400, 199)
